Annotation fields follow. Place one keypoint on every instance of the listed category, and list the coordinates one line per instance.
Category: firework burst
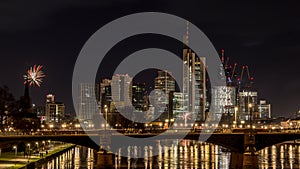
(34, 75)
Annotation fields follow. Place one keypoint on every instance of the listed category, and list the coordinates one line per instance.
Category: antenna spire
(187, 33)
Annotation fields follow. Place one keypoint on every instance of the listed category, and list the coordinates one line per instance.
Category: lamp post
(171, 121)
(167, 124)
(37, 145)
(28, 149)
(77, 128)
(51, 126)
(63, 126)
(16, 150)
(235, 114)
(250, 118)
(251, 128)
(105, 110)
(251, 142)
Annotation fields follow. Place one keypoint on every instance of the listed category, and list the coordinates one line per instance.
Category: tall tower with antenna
(194, 81)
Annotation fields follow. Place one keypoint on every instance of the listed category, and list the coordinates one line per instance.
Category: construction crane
(233, 70)
(222, 58)
(234, 77)
(229, 70)
(249, 80)
(227, 61)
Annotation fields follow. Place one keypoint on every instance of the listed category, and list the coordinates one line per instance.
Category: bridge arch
(264, 140)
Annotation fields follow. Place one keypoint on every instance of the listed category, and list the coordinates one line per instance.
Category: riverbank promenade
(14, 159)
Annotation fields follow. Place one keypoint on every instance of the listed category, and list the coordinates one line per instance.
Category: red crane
(249, 80)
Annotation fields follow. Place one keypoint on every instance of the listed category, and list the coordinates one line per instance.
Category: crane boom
(248, 73)
(233, 70)
(242, 73)
(227, 61)
(222, 51)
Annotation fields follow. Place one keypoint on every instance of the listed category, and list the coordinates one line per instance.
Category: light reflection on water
(280, 156)
(181, 154)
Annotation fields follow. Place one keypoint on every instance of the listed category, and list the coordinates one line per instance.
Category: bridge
(234, 141)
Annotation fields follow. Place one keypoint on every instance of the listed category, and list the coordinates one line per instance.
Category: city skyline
(261, 37)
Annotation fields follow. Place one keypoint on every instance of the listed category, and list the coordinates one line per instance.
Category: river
(181, 154)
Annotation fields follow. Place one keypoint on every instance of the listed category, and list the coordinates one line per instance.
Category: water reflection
(280, 156)
(78, 157)
(181, 154)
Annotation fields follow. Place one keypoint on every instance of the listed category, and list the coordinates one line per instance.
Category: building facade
(88, 105)
(194, 83)
(223, 103)
(121, 89)
(55, 111)
(105, 95)
(164, 84)
(177, 104)
(40, 112)
(247, 104)
(139, 101)
(264, 109)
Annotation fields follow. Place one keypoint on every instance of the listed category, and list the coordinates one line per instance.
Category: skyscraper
(105, 94)
(55, 111)
(264, 109)
(121, 86)
(164, 84)
(88, 106)
(223, 103)
(194, 82)
(139, 96)
(176, 104)
(164, 81)
(244, 99)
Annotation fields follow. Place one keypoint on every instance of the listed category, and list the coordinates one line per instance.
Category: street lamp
(242, 123)
(250, 118)
(251, 145)
(63, 126)
(167, 123)
(16, 150)
(37, 145)
(235, 114)
(77, 127)
(51, 126)
(105, 110)
(28, 148)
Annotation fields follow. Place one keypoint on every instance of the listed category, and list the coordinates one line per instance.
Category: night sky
(263, 35)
